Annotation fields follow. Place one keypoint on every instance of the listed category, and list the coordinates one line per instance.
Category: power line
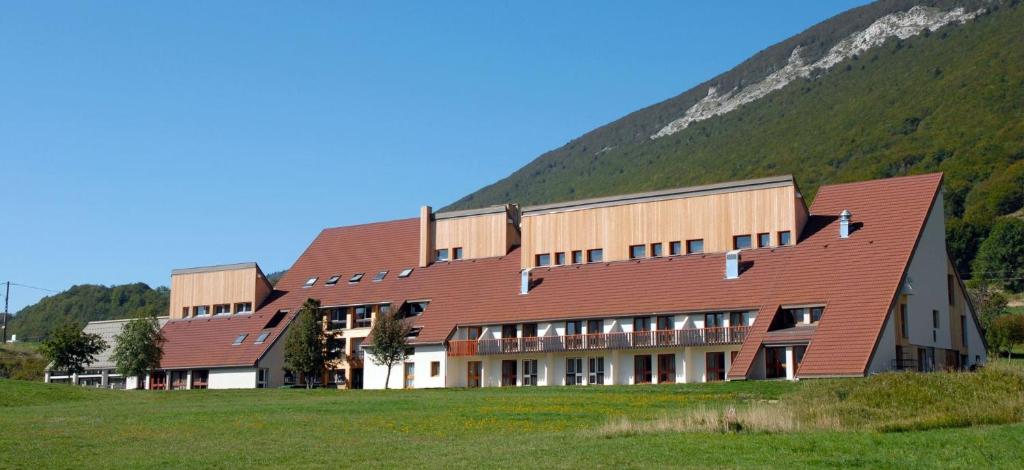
(36, 288)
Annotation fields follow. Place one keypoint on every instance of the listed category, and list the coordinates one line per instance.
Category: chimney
(524, 282)
(732, 264)
(844, 224)
(426, 237)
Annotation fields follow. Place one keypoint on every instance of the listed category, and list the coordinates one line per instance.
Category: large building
(728, 281)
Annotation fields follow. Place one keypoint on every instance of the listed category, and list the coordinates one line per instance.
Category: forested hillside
(948, 100)
(82, 304)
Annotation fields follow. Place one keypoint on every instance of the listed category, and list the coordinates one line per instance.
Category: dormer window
(222, 309)
(694, 246)
(333, 280)
(310, 282)
(784, 238)
(457, 253)
(356, 277)
(764, 240)
(741, 242)
(656, 250)
(405, 273)
(243, 307)
(637, 251)
(442, 254)
(543, 259)
(380, 276)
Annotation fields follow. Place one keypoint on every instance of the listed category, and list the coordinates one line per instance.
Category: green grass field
(64, 426)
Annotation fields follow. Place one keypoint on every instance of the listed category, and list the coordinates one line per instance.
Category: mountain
(891, 88)
(84, 303)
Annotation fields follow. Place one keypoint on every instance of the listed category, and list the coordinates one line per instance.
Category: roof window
(356, 277)
(239, 339)
(380, 276)
(310, 282)
(405, 273)
(333, 280)
(276, 319)
(262, 337)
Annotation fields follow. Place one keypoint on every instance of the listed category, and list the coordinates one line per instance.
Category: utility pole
(7, 296)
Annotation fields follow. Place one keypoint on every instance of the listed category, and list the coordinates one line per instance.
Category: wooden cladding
(713, 218)
(209, 288)
(472, 235)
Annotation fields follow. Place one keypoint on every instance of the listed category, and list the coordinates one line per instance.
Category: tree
(304, 348)
(139, 347)
(990, 302)
(390, 342)
(1001, 256)
(1006, 333)
(70, 349)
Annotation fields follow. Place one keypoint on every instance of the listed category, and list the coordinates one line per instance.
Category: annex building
(730, 281)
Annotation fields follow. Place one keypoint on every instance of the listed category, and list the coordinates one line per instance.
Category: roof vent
(732, 264)
(524, 282)
(844, 224)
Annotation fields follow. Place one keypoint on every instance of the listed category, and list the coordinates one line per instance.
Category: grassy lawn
(64, 426)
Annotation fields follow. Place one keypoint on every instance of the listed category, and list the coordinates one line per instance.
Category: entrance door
(642, 369)
(775, 363)
(508, 373)
(574, 371)
(666, 368)
(357, 378)
(410, 374)
(715, 366)
(473, 373)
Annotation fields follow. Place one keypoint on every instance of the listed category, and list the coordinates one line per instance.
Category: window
(356, 277)
(435, 368)
(276, 319)
(816, 314)
(741, 242)
(637, 251)
(339, 318)
(675, 248)
(775, 363)
(595, 373)
(641, 369)
(222, 309)
(262, 337)
(509, 331)
(332, 280)
(508, 373)
(560, 258)
(243, 307)
(184, 312)
(694, 246)
(642, 324)
(665, 322)
(240, 338)
(715, 366)
(529, 372)
(595, 256)
(380, 276)
(574, 371)
(595, 327)
(714, 320)
(903, 321)
(457, 253)
(655, 249)
(529, 330)
(410, 374)
(201, 310)
(310, 282)
(737, 319)
(666, 368)
(412, 309)
(784, 238)
(950, 289)
(935, 319)
(442, 254)
(335, 348)
(364, 317)
(963, 330)
(473, 370)
(577, 257)
(764, 240)
(405, 273)
(200, 378)
(574, 327)
(473, 332)
(543, 260)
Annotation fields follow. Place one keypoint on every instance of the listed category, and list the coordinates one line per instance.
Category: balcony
(600, 341)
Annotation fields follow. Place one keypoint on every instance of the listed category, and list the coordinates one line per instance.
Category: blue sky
(137, 137)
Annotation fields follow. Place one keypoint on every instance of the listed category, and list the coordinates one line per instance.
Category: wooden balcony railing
(598, 341)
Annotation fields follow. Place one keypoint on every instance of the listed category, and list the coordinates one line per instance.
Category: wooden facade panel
(479, 236)
(714, 218)
(216, 287)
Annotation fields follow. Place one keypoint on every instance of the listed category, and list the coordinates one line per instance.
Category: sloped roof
(856, 278)
(207, 341)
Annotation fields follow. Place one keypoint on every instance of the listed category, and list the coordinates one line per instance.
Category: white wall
(927, 275)
(374, 375)
(236, 377)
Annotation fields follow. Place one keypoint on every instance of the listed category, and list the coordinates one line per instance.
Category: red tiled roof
(207, 342)
(856, 278)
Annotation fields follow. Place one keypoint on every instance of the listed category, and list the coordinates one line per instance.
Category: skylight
(405, 273)
(239, 339)
(333, 280)
(310, 282)
(380, 276)
(262, 337)
(356, 277)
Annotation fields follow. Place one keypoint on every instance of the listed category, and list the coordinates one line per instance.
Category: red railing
(597, 341)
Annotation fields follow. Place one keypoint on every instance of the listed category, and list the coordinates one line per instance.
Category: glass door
(574, 371)
(473, 374)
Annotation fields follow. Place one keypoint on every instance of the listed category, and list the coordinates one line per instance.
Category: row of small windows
(363, 314)
(333, 280)
(646, 323)
(593, 256)
(219, 309)
(442, 254)
(764, 240)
